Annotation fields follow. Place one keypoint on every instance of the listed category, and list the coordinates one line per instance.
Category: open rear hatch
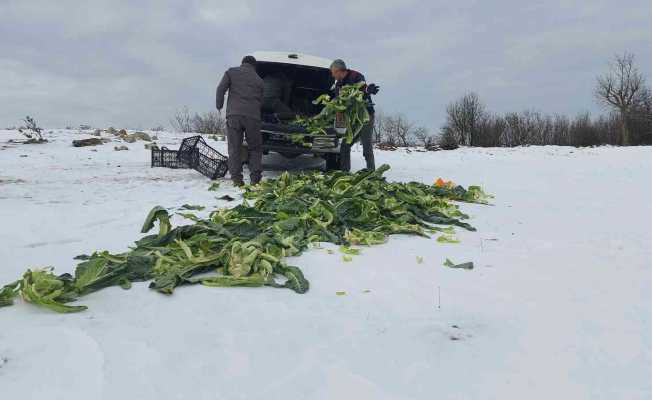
(304, 85)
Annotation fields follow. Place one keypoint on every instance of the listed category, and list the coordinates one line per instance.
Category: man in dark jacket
(245, 89)
(344, 76)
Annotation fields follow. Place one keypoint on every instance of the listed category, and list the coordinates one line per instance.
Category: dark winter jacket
(353, 77)
(245, 89)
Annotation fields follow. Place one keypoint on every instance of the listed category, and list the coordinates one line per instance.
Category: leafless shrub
(210, 123)
(469, 124)
(159, 128)
(182, 120)
(398, 130)
(32, 131)
(423, 137)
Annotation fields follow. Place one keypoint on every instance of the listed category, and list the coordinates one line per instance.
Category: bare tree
(210, 123)
(622, 89)
(398, 130)
(379, 126)
(423, 136)
(386, 129)
(402, 128)
(182, 121)
(463, 119)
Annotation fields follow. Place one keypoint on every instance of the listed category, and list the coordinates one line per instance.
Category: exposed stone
(87, 142)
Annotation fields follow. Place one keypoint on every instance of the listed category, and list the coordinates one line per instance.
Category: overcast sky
(132, 64)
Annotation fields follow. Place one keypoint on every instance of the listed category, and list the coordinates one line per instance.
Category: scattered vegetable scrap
(450, 264)
(444, 184)
(246, 245)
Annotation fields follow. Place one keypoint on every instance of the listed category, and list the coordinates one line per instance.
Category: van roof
(292, 58)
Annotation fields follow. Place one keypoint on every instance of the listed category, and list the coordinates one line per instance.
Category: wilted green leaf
(246, 245)
(295, 279)
(447, 239)
(226, 197)
(192, 207)
(157, 213)
(226, 280)
(450, 264)
(9, 293)
(42, 288)
(350, 102)
(350, 250)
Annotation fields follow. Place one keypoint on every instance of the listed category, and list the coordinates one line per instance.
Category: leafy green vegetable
(295, 279)
(192, 207)
(214, 187)
(350, 103)
(450, 264)
(9, 293)
(246, 245)
(42, 288)
(103, 269)
(447, 239)
(347, 258)
(226, 280)
(189, 216)
(158, 213)
(350, 250)
(419, 260)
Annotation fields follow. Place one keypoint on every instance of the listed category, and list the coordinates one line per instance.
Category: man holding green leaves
(344, 76)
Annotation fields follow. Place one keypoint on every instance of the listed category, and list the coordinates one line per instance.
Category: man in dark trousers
(245, 89)
(344, 76)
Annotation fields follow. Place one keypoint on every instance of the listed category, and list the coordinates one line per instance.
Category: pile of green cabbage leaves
(246, 245)
(350, 103)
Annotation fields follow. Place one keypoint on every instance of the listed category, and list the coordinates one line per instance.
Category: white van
(307, 78)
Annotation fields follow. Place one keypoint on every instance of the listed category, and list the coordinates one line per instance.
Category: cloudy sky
(132, 64)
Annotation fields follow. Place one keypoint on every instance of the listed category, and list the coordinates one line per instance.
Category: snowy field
(559, 305)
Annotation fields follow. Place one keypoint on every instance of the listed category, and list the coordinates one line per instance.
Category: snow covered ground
(559, 305)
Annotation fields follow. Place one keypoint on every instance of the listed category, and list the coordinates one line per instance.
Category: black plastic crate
(195, 152)
(164, 157)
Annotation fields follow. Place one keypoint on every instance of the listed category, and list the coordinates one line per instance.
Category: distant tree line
(622, 90)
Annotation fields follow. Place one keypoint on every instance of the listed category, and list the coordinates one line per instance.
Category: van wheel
(332, 161)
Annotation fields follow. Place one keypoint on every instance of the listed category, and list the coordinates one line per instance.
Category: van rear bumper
(282, 142)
